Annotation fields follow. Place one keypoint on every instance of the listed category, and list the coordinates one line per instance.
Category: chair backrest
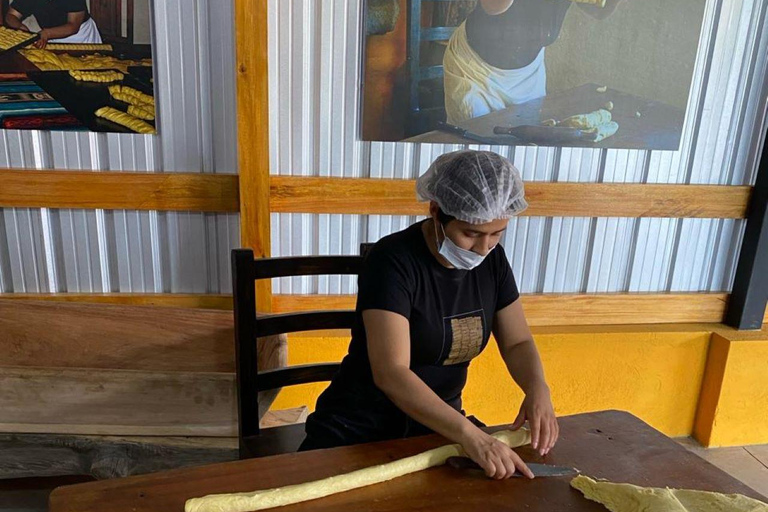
(420, 118)
(249, 326)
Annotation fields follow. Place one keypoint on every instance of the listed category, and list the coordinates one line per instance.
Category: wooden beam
(285, 303)
(572, 309)
(119, 190)
(163, 300)
(291, 194)
(251, 28)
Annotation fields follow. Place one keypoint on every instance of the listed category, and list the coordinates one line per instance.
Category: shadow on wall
(670, 36)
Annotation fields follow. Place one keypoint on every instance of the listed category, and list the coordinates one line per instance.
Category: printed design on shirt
(467, 337)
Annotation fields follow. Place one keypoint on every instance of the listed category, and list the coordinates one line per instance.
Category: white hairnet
(473, 186)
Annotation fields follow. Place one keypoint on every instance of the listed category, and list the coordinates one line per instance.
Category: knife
(461, 132)
(537, 469)
(546, 134)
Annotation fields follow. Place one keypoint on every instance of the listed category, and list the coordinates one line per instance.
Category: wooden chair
(254, 441)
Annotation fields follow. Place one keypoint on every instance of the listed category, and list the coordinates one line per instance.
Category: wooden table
(660, 126)
(612, 444)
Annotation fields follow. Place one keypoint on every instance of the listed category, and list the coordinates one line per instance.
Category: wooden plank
(398, 197)
(124, 403)
(251, 28)
(571, 309)
(119, 190)
(610, 444)
(164, 300)
(45, 455)
(117, 402)
(72, 335)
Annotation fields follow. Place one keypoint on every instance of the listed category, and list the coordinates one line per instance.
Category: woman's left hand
(43, 40)
(538, 410)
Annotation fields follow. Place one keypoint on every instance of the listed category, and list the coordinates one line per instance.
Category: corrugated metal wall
(43, 250)
(314, 96)
(314, 56)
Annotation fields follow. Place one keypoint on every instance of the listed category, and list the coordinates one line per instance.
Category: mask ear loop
(437, 236)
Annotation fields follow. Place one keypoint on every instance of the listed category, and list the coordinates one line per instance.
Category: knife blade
(539, 470)
(546, 134)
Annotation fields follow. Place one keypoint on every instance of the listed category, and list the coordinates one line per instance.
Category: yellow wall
(655, 372)
(733, 406)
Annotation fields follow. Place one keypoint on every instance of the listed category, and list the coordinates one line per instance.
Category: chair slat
(294, 375)
(267, 325)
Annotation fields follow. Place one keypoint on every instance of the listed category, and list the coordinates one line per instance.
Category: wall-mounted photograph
(573, 73)
(80, 65)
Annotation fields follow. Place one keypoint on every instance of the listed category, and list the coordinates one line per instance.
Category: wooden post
(253, 134)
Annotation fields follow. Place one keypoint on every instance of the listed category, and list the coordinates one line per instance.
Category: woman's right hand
(498, 460)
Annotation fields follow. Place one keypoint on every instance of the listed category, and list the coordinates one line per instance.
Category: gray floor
(748, 463)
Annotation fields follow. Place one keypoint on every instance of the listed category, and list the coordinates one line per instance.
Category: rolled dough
(587, 121)
(631, 498)
(269, 498)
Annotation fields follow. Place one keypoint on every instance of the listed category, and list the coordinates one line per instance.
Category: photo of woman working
(495, 58)
(61, 21)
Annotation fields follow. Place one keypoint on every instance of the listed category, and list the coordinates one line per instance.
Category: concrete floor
(748, 464)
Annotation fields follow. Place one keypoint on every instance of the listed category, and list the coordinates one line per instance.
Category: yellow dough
(605, 130)
(631, 498)
(127, 120)
(48, 61)
(597, 3)
(10, 37)
(146, 113)
(96, 76)
(587, 121)
(260, 500)
(79, 47)
(132, 96)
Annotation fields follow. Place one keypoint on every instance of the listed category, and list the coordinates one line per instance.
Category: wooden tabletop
(613, 445)
(659, 126)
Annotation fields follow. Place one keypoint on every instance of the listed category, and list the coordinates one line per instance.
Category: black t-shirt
(450, 315)
(513, 39)
(49, 13)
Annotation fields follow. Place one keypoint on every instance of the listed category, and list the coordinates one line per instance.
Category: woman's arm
(519, 352)
(13, 20)
(494, 7)
(72, 26)
(600, 13)
(389, 352)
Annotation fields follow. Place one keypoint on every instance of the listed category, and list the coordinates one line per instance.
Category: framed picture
(82, 65)
(578, 73)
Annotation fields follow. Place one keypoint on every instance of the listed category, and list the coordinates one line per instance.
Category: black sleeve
(74, 5)
(24, 7)
(505, 281)
(384, 283)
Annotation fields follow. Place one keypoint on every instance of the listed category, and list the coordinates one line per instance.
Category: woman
(61, 21)
(428, 299)
(495, 59)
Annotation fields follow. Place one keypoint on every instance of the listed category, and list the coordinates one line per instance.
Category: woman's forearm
(524, 365)
(12, 21)
(412, 396)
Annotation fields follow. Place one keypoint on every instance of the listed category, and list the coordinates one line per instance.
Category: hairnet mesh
(473, 186)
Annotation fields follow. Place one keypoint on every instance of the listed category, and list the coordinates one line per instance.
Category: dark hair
(443, 217)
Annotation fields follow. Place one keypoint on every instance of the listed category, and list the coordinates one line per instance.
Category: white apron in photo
(88, 34)
(474, 88)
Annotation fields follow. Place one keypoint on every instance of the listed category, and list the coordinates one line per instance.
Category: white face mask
(456, 256)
